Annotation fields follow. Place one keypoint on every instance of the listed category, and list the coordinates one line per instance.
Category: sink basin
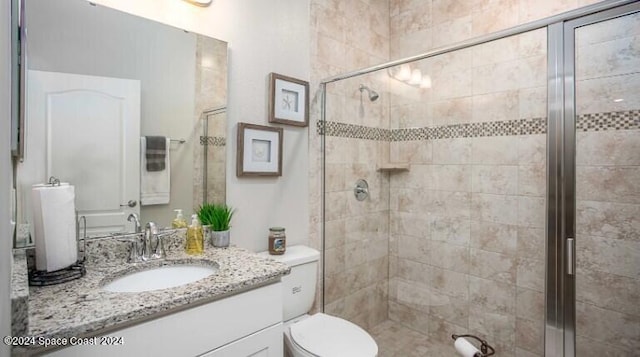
(164, 277)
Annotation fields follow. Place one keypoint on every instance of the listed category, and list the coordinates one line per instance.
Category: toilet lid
(329, 336)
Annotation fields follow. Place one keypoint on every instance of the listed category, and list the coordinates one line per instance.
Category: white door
(86, 130)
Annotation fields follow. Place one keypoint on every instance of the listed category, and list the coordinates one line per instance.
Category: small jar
(277, 240)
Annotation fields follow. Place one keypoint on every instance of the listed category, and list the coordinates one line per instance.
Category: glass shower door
(607, 191)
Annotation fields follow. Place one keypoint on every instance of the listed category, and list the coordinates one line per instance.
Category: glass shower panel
(608, 187)
(356, 232)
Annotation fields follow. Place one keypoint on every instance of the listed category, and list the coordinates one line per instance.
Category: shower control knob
(131, 203)
(361, 191)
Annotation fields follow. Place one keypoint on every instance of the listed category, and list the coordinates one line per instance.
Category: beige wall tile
(612, 183)
(607, 326)
(452, 31)
(450, 177)
(449, 282)
(444, 10)
(492, 266)
(494, 179)
(608, 148)
(449, 256)
(494, 237)
(494, 150)
(489, 18)
(611, 58)
(530, 11)
(409, 317)
(504, 49)
(532, 180)
(531, 243)
(533, 102)
(499, 106)
(452, 151)
(531, 212)
(447, 206)
(414, 248)
(451, 230)
(591, 348)
(452, 111)
(492, 296)
(410, 224)
(496, 327)
(605, 31)
(494, 208)
(609, 255)
(532, 149)
(609, 291)
(530, 336)
(414, 272)
(531, 274)
(451, 309)
(530, 304)
(597, 95)
(609, 220)
(415, 296)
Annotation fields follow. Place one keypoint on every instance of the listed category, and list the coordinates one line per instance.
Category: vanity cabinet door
(194, 331)
(266, 343)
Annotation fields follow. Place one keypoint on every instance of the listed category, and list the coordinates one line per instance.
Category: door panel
(107, 113)
(607, 84)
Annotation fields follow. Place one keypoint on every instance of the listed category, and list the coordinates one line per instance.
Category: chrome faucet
(136, 222)
(153, 242)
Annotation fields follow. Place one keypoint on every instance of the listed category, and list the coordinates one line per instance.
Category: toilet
(318, 335)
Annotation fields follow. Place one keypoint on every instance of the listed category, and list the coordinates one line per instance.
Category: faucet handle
(152, 228)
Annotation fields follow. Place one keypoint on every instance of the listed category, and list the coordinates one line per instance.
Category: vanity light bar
(203, 3)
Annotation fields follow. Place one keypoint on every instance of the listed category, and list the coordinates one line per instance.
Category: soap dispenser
(179, 221)
(195, 237)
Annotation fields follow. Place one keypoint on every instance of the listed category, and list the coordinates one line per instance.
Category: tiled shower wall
(347, 35)
(467, 220)
(211, 92)
(466, 223)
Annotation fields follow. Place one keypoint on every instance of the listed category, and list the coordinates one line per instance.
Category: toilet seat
(329, 336)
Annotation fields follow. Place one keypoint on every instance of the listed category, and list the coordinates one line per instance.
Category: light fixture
(203, 3)
(618, 100)
(412, 77)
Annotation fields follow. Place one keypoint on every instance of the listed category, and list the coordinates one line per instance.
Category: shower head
(373, 95)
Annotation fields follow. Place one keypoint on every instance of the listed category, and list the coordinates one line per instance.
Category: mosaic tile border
(332, 128)
(623, 120)
(628, 120)
(213, 140)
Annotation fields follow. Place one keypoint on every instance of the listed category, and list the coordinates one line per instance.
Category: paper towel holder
(485, 348)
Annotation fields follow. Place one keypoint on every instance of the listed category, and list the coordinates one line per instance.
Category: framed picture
(259, 150)
(288, 100)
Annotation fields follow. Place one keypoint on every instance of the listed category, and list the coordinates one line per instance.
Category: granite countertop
(81, 308)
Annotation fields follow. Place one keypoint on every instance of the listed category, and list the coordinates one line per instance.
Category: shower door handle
(571, 256)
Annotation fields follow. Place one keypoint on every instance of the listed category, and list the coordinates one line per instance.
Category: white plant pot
(220, 239)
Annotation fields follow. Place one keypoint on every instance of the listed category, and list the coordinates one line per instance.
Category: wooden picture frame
(259, 151)
(288, 100)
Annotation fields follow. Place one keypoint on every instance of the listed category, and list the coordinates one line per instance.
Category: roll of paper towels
(465, 348)
(54, 226)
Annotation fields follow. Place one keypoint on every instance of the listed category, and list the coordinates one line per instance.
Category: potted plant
(218, 219)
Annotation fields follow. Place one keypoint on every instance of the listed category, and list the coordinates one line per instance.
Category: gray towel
(156, 151)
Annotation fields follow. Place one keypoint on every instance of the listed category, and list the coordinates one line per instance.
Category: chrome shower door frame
(560, 319)
(560, 304)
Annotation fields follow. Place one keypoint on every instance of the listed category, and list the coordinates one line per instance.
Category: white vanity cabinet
(247, 324)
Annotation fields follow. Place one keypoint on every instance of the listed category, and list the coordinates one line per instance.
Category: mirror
(97, 80)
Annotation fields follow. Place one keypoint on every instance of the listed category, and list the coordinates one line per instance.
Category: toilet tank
(300, 285)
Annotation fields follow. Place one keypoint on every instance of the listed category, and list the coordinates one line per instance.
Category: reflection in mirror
(97, 81)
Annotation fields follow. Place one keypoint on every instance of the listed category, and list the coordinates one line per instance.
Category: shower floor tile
(395, 340)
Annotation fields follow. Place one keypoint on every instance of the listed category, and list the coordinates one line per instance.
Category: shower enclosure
(504, 190)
